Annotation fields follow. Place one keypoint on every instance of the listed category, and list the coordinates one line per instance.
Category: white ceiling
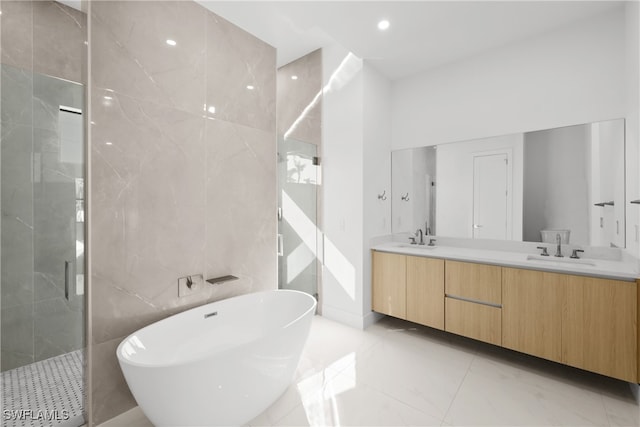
(423, 34)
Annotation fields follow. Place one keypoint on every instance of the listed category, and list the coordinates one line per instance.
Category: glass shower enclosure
(42, 229)
(298, 181)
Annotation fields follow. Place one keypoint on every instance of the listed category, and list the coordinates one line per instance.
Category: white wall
(377, 169)
(356, 168)
(409, 170)
(570, 76)
(585, 72)
(342, 186)
(401, 184)
(632, 125)
(454, 196)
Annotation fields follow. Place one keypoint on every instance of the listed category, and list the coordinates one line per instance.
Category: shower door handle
(280, 245)
(67, 278)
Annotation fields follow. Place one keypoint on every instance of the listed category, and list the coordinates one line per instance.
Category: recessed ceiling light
(171, 42)
(250, 87)
(294, 77)
(212, 109)
(383, 25)
(108, 98)
(108, 143)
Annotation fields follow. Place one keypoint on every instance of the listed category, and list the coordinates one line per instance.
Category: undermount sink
(560, 261)
(416, 246)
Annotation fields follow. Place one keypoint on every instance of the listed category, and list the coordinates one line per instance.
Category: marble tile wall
(299, 100)
(42, 42)
(183, 171)
(44, 36)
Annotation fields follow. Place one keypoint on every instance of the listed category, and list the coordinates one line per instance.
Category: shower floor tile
(45, 393)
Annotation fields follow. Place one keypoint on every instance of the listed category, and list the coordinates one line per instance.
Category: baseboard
(371, 318)
(344, 317)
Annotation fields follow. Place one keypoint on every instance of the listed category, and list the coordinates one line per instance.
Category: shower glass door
(298, 180)
(42, 229)
(42, 247)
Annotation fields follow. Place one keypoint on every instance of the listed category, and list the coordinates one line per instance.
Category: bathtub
(222, 363)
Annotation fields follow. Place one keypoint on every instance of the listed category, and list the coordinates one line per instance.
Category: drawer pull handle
(475, 301)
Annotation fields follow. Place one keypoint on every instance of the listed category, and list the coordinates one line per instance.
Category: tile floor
(47, 393)
(397, 373)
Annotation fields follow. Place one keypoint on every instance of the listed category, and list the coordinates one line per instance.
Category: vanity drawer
(476, 282)
(477, 321)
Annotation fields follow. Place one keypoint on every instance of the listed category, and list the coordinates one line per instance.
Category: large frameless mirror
(533, 186)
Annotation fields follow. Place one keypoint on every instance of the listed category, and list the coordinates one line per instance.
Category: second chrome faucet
(418, 233)
(559, 246)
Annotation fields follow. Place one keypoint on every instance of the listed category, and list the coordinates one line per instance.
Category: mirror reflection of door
(491, 196)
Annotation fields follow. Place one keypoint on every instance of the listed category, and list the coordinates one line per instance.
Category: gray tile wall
(183, 177)
(300, 100)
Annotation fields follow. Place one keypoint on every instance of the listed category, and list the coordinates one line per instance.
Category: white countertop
(621, 269)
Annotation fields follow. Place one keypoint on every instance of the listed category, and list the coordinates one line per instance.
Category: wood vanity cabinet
(531, 312)
(599, 326)
(425, 291)
(409, 287)
(389, 284)
(586, 322)
(473, 299)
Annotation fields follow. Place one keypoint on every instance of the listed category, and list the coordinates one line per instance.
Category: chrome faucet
(419, 233)
(559, 245)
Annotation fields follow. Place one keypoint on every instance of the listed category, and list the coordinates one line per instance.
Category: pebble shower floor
(45, 393)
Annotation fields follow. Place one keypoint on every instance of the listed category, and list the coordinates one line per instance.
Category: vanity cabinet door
(425, 291)
(478, 321)
(476, 282)
(599, 326)
(389, 284)
(531, 312)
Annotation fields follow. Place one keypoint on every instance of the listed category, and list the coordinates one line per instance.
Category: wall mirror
(537, 186)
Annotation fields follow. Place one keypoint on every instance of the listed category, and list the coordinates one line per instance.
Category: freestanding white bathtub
(219, 364)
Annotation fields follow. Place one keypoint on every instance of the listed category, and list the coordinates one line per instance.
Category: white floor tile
(331, 347)
(621, 405)
(498, 393)
(397, 373)
(422, 372)
(343, 402)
